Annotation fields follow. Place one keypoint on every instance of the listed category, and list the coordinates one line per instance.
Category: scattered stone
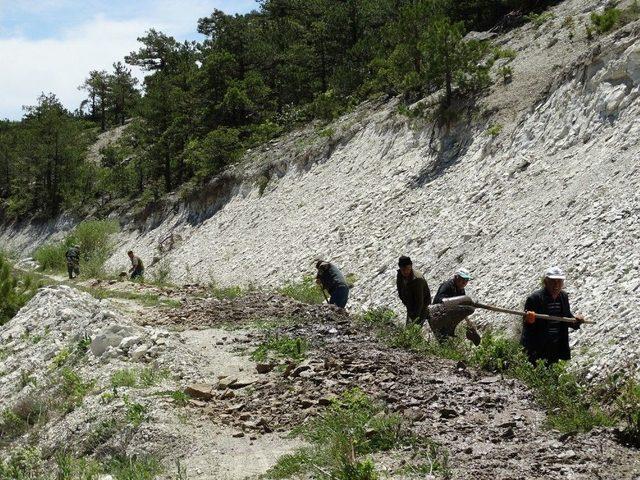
(201, 391)
(264, 367)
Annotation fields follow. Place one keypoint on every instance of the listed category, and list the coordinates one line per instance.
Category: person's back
(72, 256)
(137, 267)
(331, 279)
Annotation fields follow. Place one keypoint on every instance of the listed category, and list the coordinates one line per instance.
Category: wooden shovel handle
(520, 313)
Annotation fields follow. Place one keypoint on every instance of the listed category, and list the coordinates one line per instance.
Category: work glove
(530, 318)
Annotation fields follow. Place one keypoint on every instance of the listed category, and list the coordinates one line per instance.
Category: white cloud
(59, 65)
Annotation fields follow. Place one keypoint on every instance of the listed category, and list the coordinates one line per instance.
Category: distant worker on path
(548, 340)
(413, 291)
(73, 261)
(331, 279)
(137, 267)
(454, 287)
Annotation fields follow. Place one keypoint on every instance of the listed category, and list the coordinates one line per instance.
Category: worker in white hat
(454, 287)
(548, 340)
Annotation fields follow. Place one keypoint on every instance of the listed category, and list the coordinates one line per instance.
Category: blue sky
(50, 45)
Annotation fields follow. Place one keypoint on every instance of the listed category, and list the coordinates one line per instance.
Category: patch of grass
(72, 389)
(28, 464)
(353, 427)
(144, 378)
(508, 53)
(305, 291)
(494, 130)
(16, 289)
(136, 413)
(227, 292)
(281, 346)
(124, 378)
(570, 405)
(145, 299)
(161, 274)
(613, 17)
(539, 19)
(94, 239)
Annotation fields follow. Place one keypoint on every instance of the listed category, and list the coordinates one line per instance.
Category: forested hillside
(252, 78)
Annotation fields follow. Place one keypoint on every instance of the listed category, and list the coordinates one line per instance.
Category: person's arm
(439, 294)
(578, 319)
(426, 285)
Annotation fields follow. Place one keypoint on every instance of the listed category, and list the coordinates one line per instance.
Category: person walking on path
(73, 261)
(137, 267)
(414, 292)
(331, 279)
(548, 340)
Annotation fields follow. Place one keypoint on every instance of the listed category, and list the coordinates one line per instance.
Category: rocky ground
(239, 411)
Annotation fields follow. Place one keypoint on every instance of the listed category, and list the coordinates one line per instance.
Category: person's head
(554, 281)
(461, 278)
(321, 264)
(130, 253)
(406, 266)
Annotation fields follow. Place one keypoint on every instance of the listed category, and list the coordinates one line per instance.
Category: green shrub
(606, 20)
(494, 130)
(281, 346)
(136, 413)
(305, 291)
(353, 426)
(94, 239)
(231, 292)
(124, 378)
(539, 19)
(72, 389)
(16, 289)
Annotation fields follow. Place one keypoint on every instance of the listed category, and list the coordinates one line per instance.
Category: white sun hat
(555, 273)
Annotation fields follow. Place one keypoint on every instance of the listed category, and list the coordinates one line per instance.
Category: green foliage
(494, 130)
(136, 413)
(94, 239)
(605, 21)
(124, 378)
(352, 427)
(281, 346)
(231, 292)
(305, 291)
(28, 464)
(16, 289)
(539, 19)
(627, 409)
(144, 378)
(72, 389)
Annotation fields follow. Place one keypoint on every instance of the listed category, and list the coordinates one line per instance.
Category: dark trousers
(137, 273)
(73, 268)
(339, 297)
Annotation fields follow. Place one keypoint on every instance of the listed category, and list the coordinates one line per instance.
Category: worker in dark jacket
(413, 291)
(454, 287)
(137, 267)
(548, 340)
(73, 261)
(331, 279)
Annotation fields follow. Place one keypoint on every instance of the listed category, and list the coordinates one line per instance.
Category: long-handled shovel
(465, 300)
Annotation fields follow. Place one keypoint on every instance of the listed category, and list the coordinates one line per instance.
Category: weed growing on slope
(613, 17)
(570, 406)
(94, 239)
(229, 293)
(305, 291)
(146, 377)
(281, 347)
(16, 289)
(353, 427)
(28, 464)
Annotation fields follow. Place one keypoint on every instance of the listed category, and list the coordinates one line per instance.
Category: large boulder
(110, 336)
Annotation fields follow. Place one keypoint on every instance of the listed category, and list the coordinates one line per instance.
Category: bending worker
(331, 279)
(414, 292)
(137, 267)
(548, 340)
(454, 287)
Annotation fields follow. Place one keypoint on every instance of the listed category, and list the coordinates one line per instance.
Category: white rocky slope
(44, 364)
(558, 185)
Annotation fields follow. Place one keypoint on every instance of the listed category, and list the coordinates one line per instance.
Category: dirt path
(491, 426)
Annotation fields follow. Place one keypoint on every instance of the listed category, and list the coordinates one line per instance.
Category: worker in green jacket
(414, 292)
